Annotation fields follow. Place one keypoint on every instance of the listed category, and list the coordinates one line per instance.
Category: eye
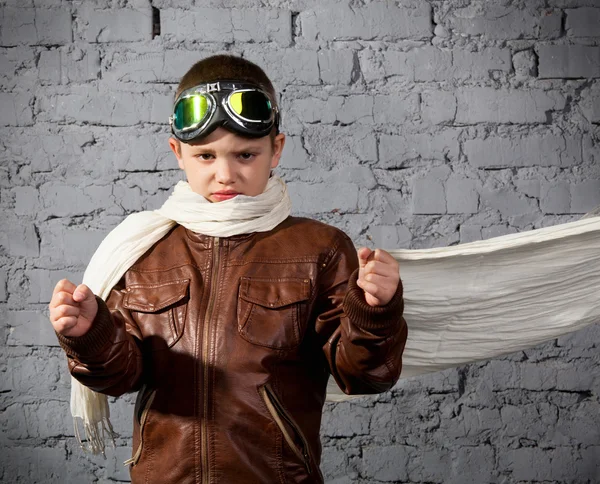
(247, 156)
(203, 156)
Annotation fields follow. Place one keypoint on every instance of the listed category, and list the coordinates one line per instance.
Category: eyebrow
(243, 149)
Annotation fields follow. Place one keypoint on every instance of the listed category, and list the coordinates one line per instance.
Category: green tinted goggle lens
(251, 105)
(190, 111)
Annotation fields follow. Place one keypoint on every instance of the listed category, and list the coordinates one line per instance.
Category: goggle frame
(244, 126)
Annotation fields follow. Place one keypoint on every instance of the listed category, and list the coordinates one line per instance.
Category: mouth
(225, 195)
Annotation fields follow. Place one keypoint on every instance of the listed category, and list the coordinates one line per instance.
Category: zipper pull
(217, 242)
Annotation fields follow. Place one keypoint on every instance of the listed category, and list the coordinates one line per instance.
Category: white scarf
(462, 304)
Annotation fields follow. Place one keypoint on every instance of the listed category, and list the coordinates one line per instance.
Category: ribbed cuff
(95, 340)
(370, 317)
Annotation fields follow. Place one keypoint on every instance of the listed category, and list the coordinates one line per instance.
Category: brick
(340, 146)
(20, 240)
(35, 26)
(461, 195)
(473, 465)
(355, 421)
(294, 155)
(26, 201)
(18, 68)
(62, 200)
(115, 25)
(336, 66)
(42, 283)
(42, 420)
(556, 198)
(478, 65)
(527, 463)
(3, 294)
(495, 22)
(29, 328)
(381, 21)
(227, 25)
(585, 196)
(387, 464)
(482, 104)
(142, 153)
(72, 246)
(525, 64)
(438, 107)
(393, 150)
(507, 202)
(395, 108)
(15, 109)
(496, 231)
(569, 61)
(69, 64)
(390, 236)
(334, 463)
(336, 109)
(534, 150)
(41, 464)
(591, 150)
(162, 67)
(362, 176)
(109, 109)
(590, 103)
(469, 233)
(583, 22)
(428, 197)
(287, 66)
(322, 197)
(262, 25)
(550, 24)
(430, 63)
(202, 24)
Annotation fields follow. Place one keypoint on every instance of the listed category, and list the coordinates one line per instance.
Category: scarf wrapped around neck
(463, 303)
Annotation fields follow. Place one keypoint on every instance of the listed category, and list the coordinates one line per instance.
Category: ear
(175, 146)
(278, 144)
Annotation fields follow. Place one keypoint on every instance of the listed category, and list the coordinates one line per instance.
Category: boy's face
(224, 164)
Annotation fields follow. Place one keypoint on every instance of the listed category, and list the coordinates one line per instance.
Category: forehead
(223, 139)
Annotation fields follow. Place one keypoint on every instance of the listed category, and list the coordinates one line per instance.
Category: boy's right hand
(72, 308)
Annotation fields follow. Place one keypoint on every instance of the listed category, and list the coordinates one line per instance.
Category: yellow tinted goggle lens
(190, 111)
(250, 105)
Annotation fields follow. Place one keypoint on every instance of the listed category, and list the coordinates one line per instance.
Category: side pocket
(160, 309)
(288, 427)
(141, 414)
(271, 312)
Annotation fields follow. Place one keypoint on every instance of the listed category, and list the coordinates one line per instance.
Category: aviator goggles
(239, 106)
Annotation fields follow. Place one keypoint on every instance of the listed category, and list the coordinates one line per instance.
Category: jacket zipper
(146, 407)
(205, 344)
(278, 412)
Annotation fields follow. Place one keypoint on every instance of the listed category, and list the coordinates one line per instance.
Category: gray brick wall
(410, 124)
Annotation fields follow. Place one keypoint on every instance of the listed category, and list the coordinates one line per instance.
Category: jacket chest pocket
(160, 309)
(272, 311)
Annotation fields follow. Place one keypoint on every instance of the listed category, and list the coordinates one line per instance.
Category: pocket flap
(274, 292)
(150, 298)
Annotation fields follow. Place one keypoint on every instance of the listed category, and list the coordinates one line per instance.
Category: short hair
(226, 66)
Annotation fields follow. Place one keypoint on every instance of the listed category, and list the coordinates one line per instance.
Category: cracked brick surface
(410, 124)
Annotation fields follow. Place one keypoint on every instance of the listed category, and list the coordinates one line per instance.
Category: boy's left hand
(378, 275)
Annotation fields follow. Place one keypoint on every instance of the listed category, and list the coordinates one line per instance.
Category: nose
(224, 172)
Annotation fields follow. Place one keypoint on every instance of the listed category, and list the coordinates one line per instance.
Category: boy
(232, 322)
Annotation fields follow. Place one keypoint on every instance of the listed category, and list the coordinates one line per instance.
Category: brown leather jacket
(231, 341)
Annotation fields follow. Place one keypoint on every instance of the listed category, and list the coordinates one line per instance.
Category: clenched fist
(378, 275)
(72, 308)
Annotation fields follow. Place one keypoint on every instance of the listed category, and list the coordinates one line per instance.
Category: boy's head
(224, 163)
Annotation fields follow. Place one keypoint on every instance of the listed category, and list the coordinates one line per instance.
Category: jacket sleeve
(108, 358)
(363, 344)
